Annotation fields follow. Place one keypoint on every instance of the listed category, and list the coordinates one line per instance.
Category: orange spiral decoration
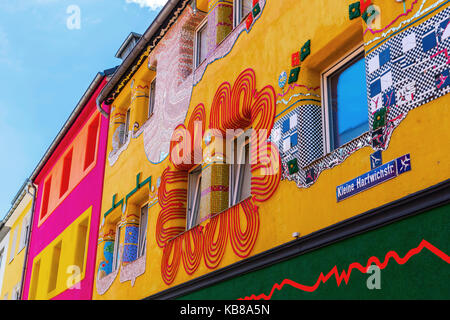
(219, 107)
(266, 173)
(169, 269)
(237, 107)
(243, 242)
(192, 256)
(173, 207)
(213, 250)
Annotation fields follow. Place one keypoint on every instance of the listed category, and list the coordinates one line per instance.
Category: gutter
(129, 60)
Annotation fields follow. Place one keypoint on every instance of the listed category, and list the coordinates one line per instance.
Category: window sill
(338, 152)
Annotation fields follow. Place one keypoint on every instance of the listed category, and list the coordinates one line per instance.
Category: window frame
(238, 15)
(116, 253)
(328, 126)
(142, 244)
(235, 197)
(194, 197)
(201, 26)
(12, 252)
(24, 231)
(151, 98)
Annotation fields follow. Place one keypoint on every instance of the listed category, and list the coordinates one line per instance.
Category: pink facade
(85, 194)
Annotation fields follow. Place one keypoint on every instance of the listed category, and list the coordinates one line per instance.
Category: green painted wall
(424, 276)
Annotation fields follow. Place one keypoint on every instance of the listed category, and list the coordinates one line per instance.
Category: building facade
(13, 256)
(270, 149)
(69, 181)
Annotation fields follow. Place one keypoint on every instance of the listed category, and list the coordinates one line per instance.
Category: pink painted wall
(86, 194)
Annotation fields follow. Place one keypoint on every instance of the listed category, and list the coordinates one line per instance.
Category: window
(201, 44)
(116, 257)
(143, 231)
(80, 249)
(151, 98)
(242, 9)
(13, 246)
(240, 170)
(16, 293)
(54, 268)
(345, 100)
(194, 192)
(91, 144)
(125, 129)
(65, 179)
(1, 256)
(46, 197)
(35, 279)
(24, 233)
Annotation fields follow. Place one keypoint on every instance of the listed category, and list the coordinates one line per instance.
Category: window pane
(348, 99)
(151, 103)
(143, 230)
(194, 194)
(202, 44)
(246, 8)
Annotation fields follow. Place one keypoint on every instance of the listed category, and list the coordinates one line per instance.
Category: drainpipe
(24, 270)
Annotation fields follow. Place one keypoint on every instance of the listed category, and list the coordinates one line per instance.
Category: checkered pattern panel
(410, 68)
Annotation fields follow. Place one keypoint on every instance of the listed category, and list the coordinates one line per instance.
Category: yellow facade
(15, 259)
(62, 264)
(282, 29)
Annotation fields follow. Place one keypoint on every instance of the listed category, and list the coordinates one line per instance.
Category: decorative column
(220, 21)
(131, 228)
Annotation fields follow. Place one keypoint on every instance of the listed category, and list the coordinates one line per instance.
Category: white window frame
(142, 239)
(116, 254)
(238, 16)
(16, 293)
(151, 98)
(12, 253)
(24, 232)
(203, 25)
(328, 144)
(194, 197)
(239, 164)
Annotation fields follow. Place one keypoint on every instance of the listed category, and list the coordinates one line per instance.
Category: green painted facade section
(424, 276)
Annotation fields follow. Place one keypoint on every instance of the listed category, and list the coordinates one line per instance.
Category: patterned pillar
(106, 263)
(220, 21)
(131, 228)
(139, 103)
(215, 181)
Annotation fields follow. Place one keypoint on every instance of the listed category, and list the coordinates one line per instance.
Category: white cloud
(152, 4)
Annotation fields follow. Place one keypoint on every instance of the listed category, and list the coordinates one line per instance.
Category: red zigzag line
(346, 275)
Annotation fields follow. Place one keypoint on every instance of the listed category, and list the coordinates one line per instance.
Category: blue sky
(46, 67)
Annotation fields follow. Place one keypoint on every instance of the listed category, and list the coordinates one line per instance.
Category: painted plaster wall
(85, 195)
(282, 29)
(14, 268)
(3, 246)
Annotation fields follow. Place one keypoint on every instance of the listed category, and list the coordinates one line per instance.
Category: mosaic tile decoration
(409, 70)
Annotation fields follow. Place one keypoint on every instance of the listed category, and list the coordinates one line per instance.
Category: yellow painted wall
(51, 277)
(281, 30)
(14, 268)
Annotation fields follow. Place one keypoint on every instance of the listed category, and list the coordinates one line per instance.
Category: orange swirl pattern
(237, 107)
(184, 140)
(215, 241)
(266, 172)
(169, 268)
(243, 242)
(192, 250)
(172, 202)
